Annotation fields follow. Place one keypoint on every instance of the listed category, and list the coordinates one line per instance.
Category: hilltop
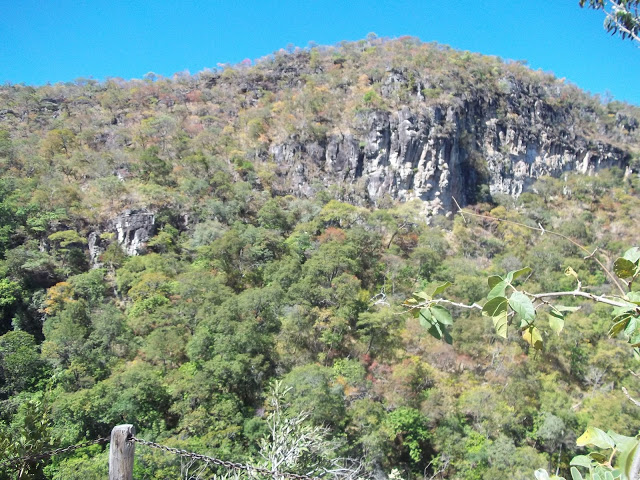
(364, 121)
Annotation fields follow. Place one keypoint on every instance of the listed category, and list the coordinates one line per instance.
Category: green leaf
(441, 288)
(582, 461)
(627, 447)
(442, 315)
(556, 323)
(498, 290)
(511, 276)
(532, 337)
(633, 254)
(634, 297)
(619, 312)
(598, 457)
(495, 306)
(435, 330)
(493, 280)
(624, 268)
(631, 327)
(622, 441)
(522, 305)
(422, 296)
(575, 474)
(617, 474)
(595, 436)
(619, 326)
(447, 336)
(500, 324)
(497, 309)
(626, 453)
(425, 318)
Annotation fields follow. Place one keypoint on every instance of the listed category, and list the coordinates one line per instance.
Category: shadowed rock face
(436, 154)
(134, 228)
(96, 249)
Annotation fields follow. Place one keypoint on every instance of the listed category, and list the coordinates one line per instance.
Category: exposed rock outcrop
(96, 249)
(133, 229)
(435, 154)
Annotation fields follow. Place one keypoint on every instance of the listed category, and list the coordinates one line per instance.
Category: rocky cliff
(437, 153)
(131, 230)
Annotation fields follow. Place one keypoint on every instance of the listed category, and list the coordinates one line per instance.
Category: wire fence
(18, 463)
(250, 469)
(31, 458)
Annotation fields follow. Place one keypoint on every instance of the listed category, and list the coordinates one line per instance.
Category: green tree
(7, 151)
(20, 364)
(11, 294)
(29, 433)
(58, 141)
(153, 168)
(65, 334)
(409, 427)
(69, 249)
(313, 390)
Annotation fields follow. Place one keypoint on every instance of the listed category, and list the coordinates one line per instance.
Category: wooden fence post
(121, 453)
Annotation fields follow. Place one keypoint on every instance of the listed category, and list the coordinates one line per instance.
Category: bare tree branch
(634, 401)
(612, 277)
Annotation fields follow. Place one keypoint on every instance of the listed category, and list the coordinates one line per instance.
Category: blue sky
(61, 40)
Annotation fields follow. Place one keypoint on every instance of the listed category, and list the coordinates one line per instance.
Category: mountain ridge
(372, 119)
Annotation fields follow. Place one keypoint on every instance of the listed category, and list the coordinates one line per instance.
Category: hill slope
(371, 120)
(171, 247)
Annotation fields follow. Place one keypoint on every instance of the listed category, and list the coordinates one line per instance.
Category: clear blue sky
(61, 40)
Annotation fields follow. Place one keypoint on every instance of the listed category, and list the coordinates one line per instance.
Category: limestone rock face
(438, 153)
(96, 249)
(133, 229)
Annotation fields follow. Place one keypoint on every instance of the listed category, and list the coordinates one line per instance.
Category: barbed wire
(222, 463)
(58, 451)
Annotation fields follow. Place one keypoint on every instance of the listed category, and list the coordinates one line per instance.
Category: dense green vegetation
(251, 311)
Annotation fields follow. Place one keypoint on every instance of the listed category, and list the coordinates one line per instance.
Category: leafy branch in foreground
(510, 305)
(622, 16)
(617, 459)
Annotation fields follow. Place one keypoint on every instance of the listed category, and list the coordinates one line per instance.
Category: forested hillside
(211, 256)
